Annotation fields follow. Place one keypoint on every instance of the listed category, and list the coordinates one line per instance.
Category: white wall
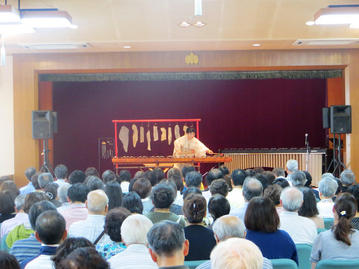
(6, 118)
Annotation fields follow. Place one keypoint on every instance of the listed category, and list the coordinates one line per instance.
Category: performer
(190, 146)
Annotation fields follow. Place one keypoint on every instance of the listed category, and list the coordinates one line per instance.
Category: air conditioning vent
(56, 46)
(326, 42)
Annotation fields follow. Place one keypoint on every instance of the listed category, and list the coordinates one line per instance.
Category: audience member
(291, 167)
(10, 187)
(125, 177)
(114, 193)
(132, 201)
(61, 172)
(29, 172)
(278, 172)
(167, 245)
(327, 189)
(262, 223)
(219, 186)
(218, 206)
(298, 179)
(35, 182)
(302, 230)
(62, 194)
(341, 242)
(91, 171)
(262, 179)
(212, 175)
(176, 176)
(113, 223)
(354, 190)
(281, 182)
(270, 176)
(309, 207)
(235, 197)
(273, 192)
(191, 190)
(347, 178)
(186, 169)
(44, 179)
(176, 209)
(193, 179)
(94, 183)
(108, 176)
(159, 174)
(8, 261)
(51, 191)
(201, 239)
(7, 206)
(77, 176)
(143, 187)
(83, 258)
(150, 175)
(133, 232)
(92, 227)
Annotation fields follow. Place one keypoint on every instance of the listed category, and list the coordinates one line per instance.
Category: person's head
(176, 176)
(69, 245)
(213, 174)
(291, 199)
(44, 179)
(298, 179)
(113, 222)
(61, 171)
(262, 179)
(170, 183)
(7, 205)
(261, 215)
(273, 192)
(354, 190)
(29, 172)
(194, 208)
(190, 133)
(309, 179)
(159, 174)
(252, 187)
(219, 186)
(345, 208)
(139, 173)
(35, 182)
(84, 258)
(236, 253)
(193, 179)
(166, 239)
(50, 228)
(228, 226)
(8, 261)
(91, 171)
(62, 192)
(132, 201)
(33, 198)
(340, 186)
(97, 202)
(224, 169)
(328, 187)
(162, 196)
(94, 183)
(51, 190)
(347, 177)
(19, 202)
(292, 166)
(124, 175)
(218, 206)
(142, 187)
(10, 187)
(78, 193)
(278, 172)
(282, 182)
(238, 177)
(309, 207)
(134, 229)
(108, 176)
(186, 169)
(190, 190)
(114, 193)
(250, 172)
(77, 176)
(270, 176)
(150, 175)
(37, 209)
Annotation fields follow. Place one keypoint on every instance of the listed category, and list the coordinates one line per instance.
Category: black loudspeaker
(340, 119)
(326, 118)
(44, 124)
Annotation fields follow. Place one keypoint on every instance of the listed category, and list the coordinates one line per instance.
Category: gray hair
(328, 175)
(134, 229)
(44, 179)
(60, 171)
(97, 201)
(62, 192)
(229, 226)
(298, 179)
(347, 177)
(252, 187)
(236, 253)
(328, 187)
(20, 202)
(292, 199)
(292, 165)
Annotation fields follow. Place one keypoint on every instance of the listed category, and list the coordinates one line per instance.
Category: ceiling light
(199, 24)
(198, 7)
(337, 15)
(8, 14)
(184, 24)
(326, 42)
(56, 46)
(47, 19)
(256, 45)
(310, 23)
(127, 47)
(15, 28)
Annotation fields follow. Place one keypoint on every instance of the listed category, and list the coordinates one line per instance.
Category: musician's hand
(210, 152)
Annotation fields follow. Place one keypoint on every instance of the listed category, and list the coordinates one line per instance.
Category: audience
(193, 179)
(298, 179)
(291, 167)
(309, 207)
(44, 179)
(83, 258)
(91, 171)
(108, 176)
(10, 187)
(51, 191)
(212, 175)
(327, 190)
(218, 206)
(201, 239)
(77, 176)
(347, 178)
(273, 193)
(235, 197)
(143, 188)
(134, 231)
(132, 202)
(191, 190)
(354, 190)
(61, 172)
(175, 175)
(62, 194)
(219, 186)
(94, 183)
(302, 230)
(124, 177)
(282, 182)
(7, 206)
(114, 193)
(278, 172)
(8, 261)
(29, 172)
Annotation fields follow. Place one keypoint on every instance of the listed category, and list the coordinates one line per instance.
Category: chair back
(338, 264)
(283, 264)
(304, 251)
(328, 223)
(194, 264)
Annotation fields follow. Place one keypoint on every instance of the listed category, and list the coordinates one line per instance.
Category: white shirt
(124, 186)
(60, 182)
(41, 262)
(325, 208)
(179, 199)
(134, 257)
(235, 198)
(183, 147)
(10, 224)
(302, 230)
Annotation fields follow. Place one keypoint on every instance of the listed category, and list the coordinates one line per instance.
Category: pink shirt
(73, 213)
(10, 224)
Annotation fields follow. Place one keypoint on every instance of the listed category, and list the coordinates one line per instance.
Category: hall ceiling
(153, 25)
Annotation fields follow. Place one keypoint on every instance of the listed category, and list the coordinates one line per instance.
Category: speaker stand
(46, 167)
(336, 161)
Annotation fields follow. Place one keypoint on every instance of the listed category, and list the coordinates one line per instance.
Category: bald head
(227, 227)
(97, 202)
(291, 198)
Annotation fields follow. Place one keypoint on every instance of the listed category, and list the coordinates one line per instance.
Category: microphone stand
(307, 152)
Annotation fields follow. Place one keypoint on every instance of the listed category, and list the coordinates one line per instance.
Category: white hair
(292, 199)
(97, 201)
(236, 253)
(62, 192)
(292, 165)
(328, 187)
(20, 202)
(134, 229)
(229, 226)
(347, 177)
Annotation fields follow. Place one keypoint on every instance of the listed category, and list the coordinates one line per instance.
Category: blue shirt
(25, 248)
(44, 250)
(27, 189)
(276, 245)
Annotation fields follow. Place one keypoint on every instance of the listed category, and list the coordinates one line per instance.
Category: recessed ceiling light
(256, 45)
(310, 23)
(184, 24)
(127, 47)
(199, 24)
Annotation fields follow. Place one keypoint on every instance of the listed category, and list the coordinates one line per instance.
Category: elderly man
(134, 230)
(327, 189)
(168, 245)
(236, 253)
(61, 174)
(301, 229)
(291, 167)
(252, 187)
(44, 179)
(92, 227)
(298, 179)
(230, 227)
(29, 172)
(347, 178)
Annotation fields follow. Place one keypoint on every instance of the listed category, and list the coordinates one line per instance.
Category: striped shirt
(25, 248)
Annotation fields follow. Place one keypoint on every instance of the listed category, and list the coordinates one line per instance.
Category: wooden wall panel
(27, 66)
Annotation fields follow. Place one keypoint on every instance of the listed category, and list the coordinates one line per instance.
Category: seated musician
(189, 146)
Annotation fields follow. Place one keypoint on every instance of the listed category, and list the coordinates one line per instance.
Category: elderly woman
(201, 239)
(309, 207)
(262, 223)
(341, 242)
(327, 189)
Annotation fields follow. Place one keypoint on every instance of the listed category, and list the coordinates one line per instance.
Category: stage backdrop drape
(269, 113)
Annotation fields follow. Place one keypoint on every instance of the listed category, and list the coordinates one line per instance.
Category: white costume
(184, 147)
